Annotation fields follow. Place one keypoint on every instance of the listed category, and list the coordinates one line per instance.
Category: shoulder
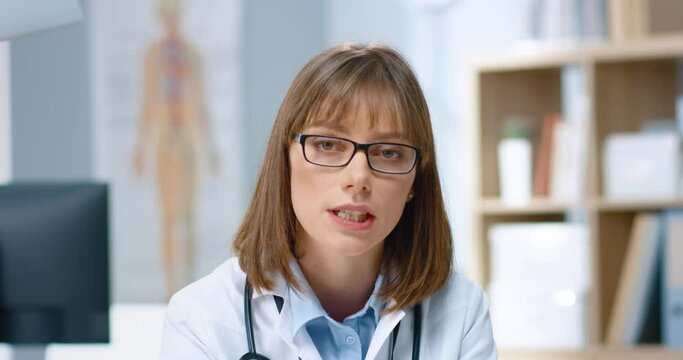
(460, 300)
(458, 292)
(204, 320)
(215, 298)
(460, 309)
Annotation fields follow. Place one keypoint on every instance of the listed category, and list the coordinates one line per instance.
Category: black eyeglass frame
(301, 139)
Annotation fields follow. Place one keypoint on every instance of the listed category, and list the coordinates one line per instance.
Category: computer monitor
(54, 263)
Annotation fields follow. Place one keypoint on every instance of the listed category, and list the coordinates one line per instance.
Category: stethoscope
(249, 328)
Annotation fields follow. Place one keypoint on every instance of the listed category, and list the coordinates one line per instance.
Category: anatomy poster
(167, 138)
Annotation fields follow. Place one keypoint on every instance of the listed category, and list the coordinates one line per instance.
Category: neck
(342, 284)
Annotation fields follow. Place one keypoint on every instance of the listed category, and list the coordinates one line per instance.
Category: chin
(351, 246)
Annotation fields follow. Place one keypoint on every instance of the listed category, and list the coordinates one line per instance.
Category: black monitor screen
(54, 263)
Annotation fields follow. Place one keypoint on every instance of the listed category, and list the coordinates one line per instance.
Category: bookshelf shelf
(548, 56)
(625, 84)
(638, 205)
(517, 354)
(595, 353)
(640, 352)
(535, 206)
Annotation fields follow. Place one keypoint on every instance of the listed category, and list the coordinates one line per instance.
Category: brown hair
(418, 251)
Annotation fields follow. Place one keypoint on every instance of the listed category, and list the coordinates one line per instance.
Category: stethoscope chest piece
(253, 356)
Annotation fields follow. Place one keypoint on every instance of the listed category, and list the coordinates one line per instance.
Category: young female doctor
(345, 251)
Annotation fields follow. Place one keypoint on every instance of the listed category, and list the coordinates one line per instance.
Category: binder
(672, 296)
(636, 281)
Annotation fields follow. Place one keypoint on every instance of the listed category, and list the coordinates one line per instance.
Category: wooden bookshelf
(626, 83)
(595, 353)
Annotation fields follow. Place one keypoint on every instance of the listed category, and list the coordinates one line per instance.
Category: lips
(353, 217)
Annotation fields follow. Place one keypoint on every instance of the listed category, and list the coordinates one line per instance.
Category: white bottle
(514, 170)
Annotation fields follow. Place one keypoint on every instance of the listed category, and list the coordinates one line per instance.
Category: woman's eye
(325, 145)
(390, 154)
(387, 153)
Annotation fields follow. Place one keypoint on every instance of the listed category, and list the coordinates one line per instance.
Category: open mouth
(353, 219)
(350, 215)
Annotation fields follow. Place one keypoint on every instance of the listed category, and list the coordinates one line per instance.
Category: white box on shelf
(546, 255)
(642, 165)
(533, 318)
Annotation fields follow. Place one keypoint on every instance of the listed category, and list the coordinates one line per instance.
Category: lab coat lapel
(385, 326)
(301, 343)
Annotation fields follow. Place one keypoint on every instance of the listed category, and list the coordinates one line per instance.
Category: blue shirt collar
(306, 307)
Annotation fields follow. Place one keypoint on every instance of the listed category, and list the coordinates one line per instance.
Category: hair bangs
(365, 93)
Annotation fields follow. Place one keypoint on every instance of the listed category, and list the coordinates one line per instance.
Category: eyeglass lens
(385, 157)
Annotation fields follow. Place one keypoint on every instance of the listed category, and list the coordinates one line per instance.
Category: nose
(356, 175)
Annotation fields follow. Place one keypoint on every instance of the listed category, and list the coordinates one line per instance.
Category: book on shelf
(672, 286)
(567, 161)
(559, 169)
(544, 156)
(559, 160)
(593, 19)
(616, 20)
(628, 19)
(566, 21)
(637, 281)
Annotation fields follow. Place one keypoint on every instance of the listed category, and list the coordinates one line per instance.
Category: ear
(410, 196)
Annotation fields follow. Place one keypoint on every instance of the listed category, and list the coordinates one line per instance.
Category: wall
(279, 38)
(51, 107)
(5, 137)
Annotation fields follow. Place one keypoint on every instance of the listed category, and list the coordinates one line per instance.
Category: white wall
(51, 105)
(279, 37)
(5, 137)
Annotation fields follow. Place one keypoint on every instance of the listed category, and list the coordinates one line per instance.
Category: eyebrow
(379, 136)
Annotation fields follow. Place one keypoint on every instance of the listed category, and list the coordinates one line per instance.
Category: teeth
(357, 216)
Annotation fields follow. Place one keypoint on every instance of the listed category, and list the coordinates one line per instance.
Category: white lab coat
(205, 320)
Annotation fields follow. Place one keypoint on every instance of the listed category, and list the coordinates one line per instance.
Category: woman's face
(318, 193)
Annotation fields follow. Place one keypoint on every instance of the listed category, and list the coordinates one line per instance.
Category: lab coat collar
(302, 343)
(306, 305)
(279, 288)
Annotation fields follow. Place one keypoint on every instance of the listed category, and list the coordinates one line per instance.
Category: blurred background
(557, 125)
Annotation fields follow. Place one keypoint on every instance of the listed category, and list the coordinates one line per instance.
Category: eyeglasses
(331, 151)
